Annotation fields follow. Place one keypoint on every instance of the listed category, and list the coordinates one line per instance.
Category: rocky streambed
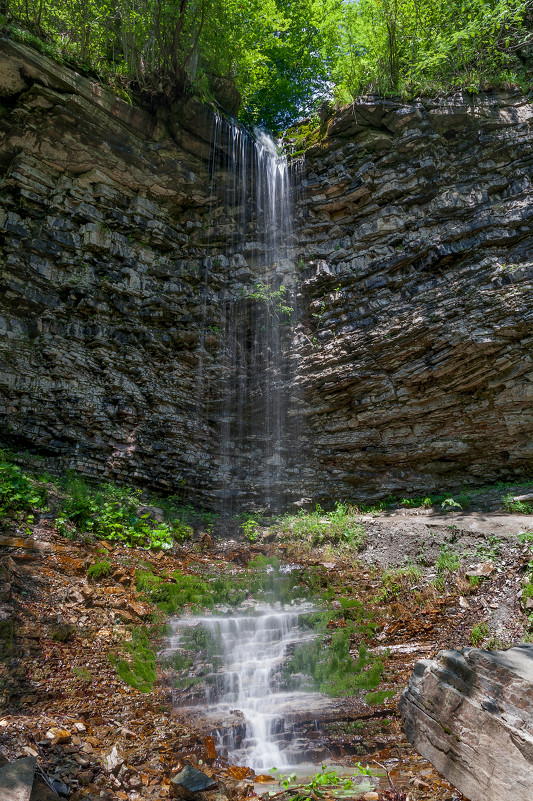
(71, 644)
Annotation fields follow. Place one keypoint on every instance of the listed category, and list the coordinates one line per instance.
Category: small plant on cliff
(274, 299)
(99, 570)
(138, 670)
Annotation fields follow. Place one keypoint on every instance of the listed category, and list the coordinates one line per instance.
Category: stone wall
(416, 293)
(410, 368)
(110, 330)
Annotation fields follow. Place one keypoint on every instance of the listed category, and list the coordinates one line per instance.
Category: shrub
(17, 493)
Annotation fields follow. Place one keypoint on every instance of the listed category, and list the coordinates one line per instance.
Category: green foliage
(412, 503)
(517, 507)
(474, 582)
(449, 503)
(448, 562)
(396, 580)
(250, 529)
(409, 47)
(325, 778)
(331, 667)
(284, 56)
(275, 300)
(110, 512)
(479, 633)
(139, 669)
(99, 570)
(17, 491)
(379, 697)
(341, 526)
(262, 579)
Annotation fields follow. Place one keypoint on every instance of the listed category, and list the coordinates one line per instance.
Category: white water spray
(254, 648)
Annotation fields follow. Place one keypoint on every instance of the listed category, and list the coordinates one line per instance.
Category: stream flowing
(251, 650)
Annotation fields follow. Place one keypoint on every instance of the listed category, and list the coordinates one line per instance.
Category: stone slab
(470, 713)
(16, 779)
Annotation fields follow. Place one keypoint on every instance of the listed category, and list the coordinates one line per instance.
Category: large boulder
(470, 713)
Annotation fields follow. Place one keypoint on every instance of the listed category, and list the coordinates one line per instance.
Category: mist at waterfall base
(251, 230)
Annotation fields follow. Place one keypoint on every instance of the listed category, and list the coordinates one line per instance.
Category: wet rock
(190, 781)
(469, 713)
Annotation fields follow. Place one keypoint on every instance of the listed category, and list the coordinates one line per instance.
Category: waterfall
(251, 649)
(250, 234)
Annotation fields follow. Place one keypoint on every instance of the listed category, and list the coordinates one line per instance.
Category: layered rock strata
(131, 344)
(124, 295)
(417, 279)
(470, 713)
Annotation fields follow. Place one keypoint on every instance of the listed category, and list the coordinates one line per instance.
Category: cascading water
(251, 650)
(256, 306)
(249, 232)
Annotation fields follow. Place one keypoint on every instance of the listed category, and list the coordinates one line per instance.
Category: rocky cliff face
(127, 313)
(416, 342)
(118, 284)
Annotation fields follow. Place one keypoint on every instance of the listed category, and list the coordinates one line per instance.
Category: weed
(449, 503)
(250, 529)
(447, 563)
(474, 581)
(479, 632)
(139, 671)
(491, 550)
(411, 503)
(340, 526)
(99, 570)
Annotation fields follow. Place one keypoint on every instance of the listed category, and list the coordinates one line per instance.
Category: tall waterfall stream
(252, 645)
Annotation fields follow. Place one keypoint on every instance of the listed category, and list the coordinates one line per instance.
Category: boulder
(470, 713)
(16, 779)
(190, 781)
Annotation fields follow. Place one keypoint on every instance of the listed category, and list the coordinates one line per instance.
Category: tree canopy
(285, 56)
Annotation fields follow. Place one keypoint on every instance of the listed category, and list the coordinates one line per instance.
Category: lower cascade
(249, 650)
